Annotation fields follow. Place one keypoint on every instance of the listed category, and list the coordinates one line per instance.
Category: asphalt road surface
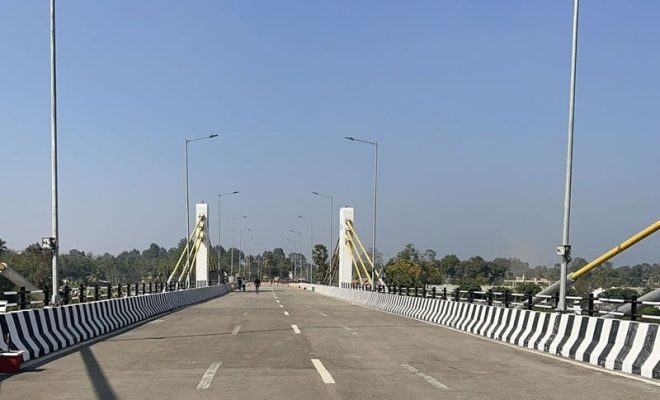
(288, 343)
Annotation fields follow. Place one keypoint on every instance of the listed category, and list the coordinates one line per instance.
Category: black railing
(20, 299)
(590, 305)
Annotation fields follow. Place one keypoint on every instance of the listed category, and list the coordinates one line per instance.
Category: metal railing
(20, 299)
(591, 305)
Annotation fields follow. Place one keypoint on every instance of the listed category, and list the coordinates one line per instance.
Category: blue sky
(468, 101)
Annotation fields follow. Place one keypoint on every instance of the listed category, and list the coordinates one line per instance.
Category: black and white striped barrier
(43, 331)
(627, 346)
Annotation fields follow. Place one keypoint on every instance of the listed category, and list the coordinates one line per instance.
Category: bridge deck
(369, 355)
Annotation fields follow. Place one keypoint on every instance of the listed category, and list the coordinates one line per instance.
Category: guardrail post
(144, 286)
(67, 291)
(633, 308)
(81, 293)
(470, 296)
(530, 303)
(444, 293)
(416, 292)
(489, 297)
(109, 294)
(590, 305)
(46, 295)
(433, 292)
(22, 303)
(507, 299)
(96, 292)
(457, 295)
(424, 291)
(150, 288)
(119, 290)
(556, 300)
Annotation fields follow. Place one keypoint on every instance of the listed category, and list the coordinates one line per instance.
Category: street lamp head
(349, 138)
(212, 136)
(316, 193)
(236, 192)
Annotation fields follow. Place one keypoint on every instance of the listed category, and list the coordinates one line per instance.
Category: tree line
(410, 267)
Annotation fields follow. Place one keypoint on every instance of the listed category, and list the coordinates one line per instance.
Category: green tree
(320, 258)
(448, 265)
(528, 288)
(619, 293)
(404, 272)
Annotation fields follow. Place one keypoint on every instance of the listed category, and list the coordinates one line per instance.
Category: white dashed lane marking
(295, 329)
(286, 313)
(350, 330)
(325, 315)
(236, 329)
(205, 382)
(325, 375)
(427, 378)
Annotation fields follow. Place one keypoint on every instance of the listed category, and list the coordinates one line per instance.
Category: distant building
(513, 283)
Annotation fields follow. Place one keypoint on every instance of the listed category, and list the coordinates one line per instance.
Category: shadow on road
(102, 387)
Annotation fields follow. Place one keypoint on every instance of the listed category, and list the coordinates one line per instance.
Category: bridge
(349, 336)
(287, 342)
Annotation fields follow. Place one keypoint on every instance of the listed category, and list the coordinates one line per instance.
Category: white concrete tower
(345, 259)
(201, 261)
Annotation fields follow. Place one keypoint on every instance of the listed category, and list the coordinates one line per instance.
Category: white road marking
(434, 382)
(325, 315)
(236, 329)
(286, 313)
(281, 306)
(156, 321)
(325, 375)
(295, 329)
(350, 330)
(308, 306)
(208, 376)
(277, 301)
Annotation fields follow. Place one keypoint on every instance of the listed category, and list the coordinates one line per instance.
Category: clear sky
(468, 101)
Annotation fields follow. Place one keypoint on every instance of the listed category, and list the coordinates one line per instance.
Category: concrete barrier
(627, 346)
(43, 331)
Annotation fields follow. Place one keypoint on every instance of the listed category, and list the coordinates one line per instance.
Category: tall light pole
(332, 253)
(188, 194)
(53, 145)
(311, 244)
(299, 254)
(373, 247)
(564, 250)
(219, 242)
(233, 238)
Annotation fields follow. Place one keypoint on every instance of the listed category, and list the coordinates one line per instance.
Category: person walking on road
(257, 283)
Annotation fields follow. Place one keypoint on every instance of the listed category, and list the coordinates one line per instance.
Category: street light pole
(373, 247)
(219, 231)
(233, 239)
(565, 249)
(188, 195)
(311, 242)
(332, 253)
(53, 145)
